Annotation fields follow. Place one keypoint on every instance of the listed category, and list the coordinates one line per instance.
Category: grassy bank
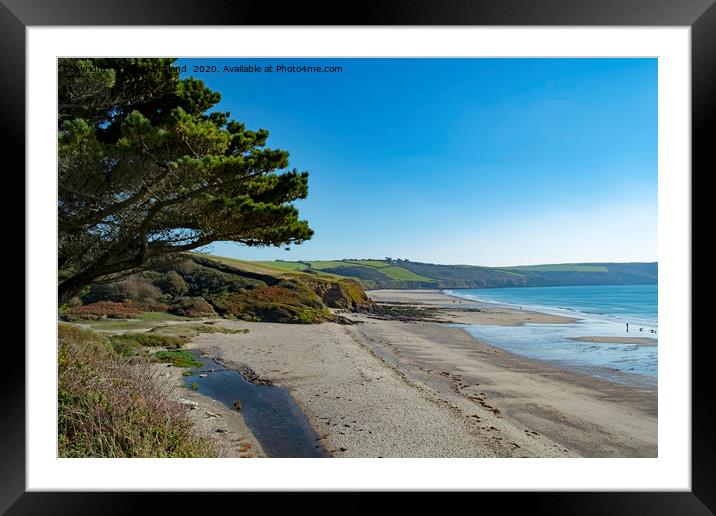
(109, 405)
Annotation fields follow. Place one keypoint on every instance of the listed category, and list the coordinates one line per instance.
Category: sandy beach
(395, 388)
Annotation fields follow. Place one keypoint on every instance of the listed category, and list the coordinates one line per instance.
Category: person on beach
(627, 327)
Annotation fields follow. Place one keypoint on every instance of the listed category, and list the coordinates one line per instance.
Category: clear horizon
(492, 162)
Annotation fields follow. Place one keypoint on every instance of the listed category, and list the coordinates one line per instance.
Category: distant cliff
(404, 274)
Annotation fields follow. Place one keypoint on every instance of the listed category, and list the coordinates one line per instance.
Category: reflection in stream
(269, 412)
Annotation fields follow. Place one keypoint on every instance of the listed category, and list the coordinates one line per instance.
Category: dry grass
(112, 407)
(113, 310)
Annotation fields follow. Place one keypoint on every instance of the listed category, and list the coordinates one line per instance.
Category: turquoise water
(601, 310)
(624, 302)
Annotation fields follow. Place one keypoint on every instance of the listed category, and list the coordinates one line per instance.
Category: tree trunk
(70, 288)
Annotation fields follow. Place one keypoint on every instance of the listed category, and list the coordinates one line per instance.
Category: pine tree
(147, 171)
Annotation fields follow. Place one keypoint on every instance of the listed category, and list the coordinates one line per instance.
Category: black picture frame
(17, 15)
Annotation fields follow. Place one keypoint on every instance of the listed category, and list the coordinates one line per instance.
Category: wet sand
(464, 311)
(644, 341)
(386, 388)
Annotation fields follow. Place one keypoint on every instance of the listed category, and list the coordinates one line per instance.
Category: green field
(391, 272)
(327, 264)
(376, 273)
(257, 267)
(398, 273)
(291, 266)
(369, 263)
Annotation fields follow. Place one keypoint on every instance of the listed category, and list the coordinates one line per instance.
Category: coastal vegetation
(200, 286)
(109, 405)
(131, 344)
(177, 358)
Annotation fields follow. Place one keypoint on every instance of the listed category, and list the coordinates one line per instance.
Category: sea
(601, 310)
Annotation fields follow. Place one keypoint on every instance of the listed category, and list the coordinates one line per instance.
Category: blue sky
(472, 161)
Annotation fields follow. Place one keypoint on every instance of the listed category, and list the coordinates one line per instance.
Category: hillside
(374, 274)
(196, 285)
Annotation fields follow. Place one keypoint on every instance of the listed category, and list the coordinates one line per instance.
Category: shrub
(154, 307)
(192, 307)
(110, 309)
(110, 408)
(172, 283)
(294, 304)
(136, 288)
(185, 266)
(75, 302)
(205, 281)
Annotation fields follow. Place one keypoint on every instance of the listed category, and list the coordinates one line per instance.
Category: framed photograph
(447, 247)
